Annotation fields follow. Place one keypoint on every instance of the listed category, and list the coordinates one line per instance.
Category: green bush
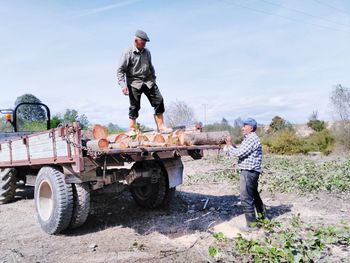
(322, 141)
(283, 142)
(279, 124)
(287, 142)
(317, 125)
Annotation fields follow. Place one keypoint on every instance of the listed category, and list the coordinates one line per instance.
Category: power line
(333, 7)
(285, 17)
(306, 14)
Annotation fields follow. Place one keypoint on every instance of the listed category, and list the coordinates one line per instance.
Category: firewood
(204, 138)
(99, 131)
(98, 144)
(117, 137)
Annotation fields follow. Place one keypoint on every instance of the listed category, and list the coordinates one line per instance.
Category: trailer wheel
(81, 204)
(53, 200)
(8, 179)
(154, 195)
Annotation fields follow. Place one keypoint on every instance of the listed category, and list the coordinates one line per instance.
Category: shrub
(316, 125)
(279, 124)
(283, 142)
(322, 141)
(287, 142)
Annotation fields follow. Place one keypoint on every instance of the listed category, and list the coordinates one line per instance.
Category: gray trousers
(250, 197)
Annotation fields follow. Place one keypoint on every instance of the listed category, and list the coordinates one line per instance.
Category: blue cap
(251, 122)
(141, 34)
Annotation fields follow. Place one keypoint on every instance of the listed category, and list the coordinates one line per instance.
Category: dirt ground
(117, 230)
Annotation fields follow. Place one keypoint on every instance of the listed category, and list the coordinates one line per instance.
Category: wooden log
(117, 137)
(173, 140)
(99, 132)
(153, 144)
(204, 138)
(119, 145)
(98, 145)
(158, 138)
(142, 138)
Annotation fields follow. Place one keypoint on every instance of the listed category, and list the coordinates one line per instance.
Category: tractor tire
(154, 195)
(81, 204)
(8, 180)
(53, 200)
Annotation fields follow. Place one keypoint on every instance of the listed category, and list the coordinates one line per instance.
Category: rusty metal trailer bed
(64, 172)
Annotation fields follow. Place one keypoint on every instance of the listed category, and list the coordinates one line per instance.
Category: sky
(224, 58)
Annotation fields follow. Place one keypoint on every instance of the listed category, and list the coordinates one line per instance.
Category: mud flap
(174, 168)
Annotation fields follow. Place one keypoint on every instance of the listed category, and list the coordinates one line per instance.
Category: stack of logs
(103, 141)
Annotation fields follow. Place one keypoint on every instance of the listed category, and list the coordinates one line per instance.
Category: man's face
(140, 43)
(246, 129)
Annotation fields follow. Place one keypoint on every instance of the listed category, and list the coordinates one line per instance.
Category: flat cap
(251, 122)
(141, 34)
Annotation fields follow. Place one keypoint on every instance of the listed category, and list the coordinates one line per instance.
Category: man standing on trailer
(136, 75)
(249, 162)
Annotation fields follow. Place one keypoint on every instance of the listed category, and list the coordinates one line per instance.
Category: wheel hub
(45, 200)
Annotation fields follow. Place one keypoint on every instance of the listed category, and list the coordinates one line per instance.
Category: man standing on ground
(136, 76)
(249, 162)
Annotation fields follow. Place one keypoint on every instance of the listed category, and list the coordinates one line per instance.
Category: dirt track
(119, 231)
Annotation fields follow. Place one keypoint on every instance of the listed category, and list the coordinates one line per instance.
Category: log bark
(203, 138)
(98, 145)
(99, 132)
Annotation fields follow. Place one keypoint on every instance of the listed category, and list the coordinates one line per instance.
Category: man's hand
(125, 91)
(228, 140)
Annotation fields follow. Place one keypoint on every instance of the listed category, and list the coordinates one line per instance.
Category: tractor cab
(16, 124)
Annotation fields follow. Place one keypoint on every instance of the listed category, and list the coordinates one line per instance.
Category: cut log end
(99, 132)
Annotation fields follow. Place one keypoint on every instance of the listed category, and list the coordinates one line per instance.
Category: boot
(160, 124)
(132, 127)
(251, 223)
(261, 212)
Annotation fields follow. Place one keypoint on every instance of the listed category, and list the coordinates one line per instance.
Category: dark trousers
(250, 197)
(154, 96)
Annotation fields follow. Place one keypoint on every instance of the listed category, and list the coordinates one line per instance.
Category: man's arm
(123, 65)
(247, 147)
(151, 66)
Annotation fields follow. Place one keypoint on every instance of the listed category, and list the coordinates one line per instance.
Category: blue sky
(257, 58)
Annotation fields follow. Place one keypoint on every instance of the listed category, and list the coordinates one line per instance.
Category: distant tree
(30, 112)
(278, 124)
(238, 123)
(55, 121)
(69, 116)
(5, 126)
(224, 122)
(114, 128)
(235, 131)
(142, 127)
(179, 113)
(316, 124)
(340, 100)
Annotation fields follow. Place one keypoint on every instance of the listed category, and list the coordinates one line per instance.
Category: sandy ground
(117, 230)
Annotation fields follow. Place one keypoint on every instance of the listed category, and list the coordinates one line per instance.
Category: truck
(64, 172)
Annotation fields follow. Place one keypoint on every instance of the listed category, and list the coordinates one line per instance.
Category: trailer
(64, 172)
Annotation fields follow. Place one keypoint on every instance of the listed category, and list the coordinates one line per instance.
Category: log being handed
(103, 141)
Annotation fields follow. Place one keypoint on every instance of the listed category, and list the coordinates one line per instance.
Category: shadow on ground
(185, 215)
